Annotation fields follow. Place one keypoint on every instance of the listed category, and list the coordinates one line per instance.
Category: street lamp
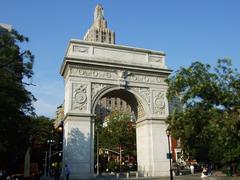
(97, 130)
(120, 158)
(50, 142)
(60, 128)
(59, 152)
(170, 157)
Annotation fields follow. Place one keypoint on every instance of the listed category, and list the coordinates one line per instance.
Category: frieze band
(131, 77)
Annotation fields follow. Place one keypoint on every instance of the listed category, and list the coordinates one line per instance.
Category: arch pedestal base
(78, 146)
(152, 148)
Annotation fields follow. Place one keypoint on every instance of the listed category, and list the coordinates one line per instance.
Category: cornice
(122, 47)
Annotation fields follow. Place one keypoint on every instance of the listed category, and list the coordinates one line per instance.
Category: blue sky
(186, 30)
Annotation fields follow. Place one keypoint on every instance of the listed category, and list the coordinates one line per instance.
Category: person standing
(210, 169)
(204, 174)
(192, 169)
(67, 171)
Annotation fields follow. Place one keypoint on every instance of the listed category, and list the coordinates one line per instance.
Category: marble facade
(92, 69)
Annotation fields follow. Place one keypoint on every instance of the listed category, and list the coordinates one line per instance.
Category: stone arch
(92, 70)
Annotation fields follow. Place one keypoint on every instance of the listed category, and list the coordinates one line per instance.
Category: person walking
(210, 169)
(67, 171)
(204, 173)
(192, 169)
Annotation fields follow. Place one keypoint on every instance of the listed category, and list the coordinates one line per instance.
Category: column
(78, 146)
(152, 148)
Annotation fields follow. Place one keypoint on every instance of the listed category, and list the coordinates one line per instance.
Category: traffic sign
(169, 155)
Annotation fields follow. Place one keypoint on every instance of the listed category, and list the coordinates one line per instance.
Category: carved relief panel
(140, 110)
(79, 97)
(96, 88)
(144, 93)
(159, 102)
(80, 49)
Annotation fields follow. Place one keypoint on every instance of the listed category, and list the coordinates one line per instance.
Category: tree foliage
(21, 129)
(39, 129)
(15, 100)
(118, 131)
(209, 125)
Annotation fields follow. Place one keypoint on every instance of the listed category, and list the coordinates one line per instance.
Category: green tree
(39, 129)
(15, 100)
(209, 125)
(118, 131)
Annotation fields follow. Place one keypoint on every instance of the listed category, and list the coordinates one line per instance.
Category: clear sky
(186, 30)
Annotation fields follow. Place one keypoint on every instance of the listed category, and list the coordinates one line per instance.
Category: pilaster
(78, 143)
(152, 148)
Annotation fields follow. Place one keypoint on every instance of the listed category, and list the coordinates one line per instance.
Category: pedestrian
(210, 169)
(192, 169)
(204, 173)
(67, 171)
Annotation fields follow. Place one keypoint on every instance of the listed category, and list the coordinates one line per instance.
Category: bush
(113, 166)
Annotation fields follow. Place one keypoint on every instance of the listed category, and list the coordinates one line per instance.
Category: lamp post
(45, 166)
(50, 142)
(120, 158)
(170, 157)
(59, 152)
(97, 151)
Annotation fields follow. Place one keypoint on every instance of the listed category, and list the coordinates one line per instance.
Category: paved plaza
(186, 177)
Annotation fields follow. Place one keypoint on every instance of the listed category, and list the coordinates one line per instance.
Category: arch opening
(115, 131)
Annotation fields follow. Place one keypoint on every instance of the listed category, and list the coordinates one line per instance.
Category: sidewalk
(184, 177)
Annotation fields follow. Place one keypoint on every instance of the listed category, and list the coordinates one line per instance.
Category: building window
(96, 35)
(121, 103)
(110, 37)
(103, 36)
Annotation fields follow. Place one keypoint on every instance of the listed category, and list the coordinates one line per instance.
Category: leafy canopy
(118, 130)
(209, 124)
(15, 100)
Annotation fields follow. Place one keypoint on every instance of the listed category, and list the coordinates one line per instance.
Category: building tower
(99, 32)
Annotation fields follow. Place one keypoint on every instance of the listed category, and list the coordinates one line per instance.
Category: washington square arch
(94, 68)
